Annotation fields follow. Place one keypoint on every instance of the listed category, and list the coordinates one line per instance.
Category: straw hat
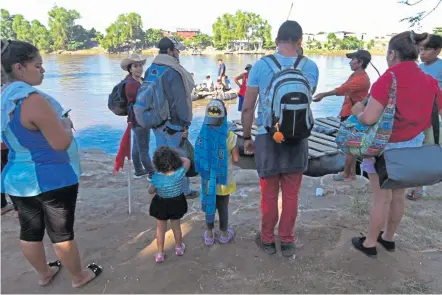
(130, 60)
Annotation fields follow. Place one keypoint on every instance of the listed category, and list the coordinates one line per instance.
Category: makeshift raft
(324, 156)
(222, 95)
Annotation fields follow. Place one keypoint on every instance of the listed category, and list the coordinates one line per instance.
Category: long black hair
(16, 52)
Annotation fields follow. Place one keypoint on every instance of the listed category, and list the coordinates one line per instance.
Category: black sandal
(388, 245)
(97, 270)
(358, 243)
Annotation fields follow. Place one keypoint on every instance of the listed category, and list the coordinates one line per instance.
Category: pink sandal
(179, 251)
(225, 240)
(209, 241)
(159, 257)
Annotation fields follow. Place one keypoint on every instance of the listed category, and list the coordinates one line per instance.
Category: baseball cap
(362, 55)
(248, 66)
(170, 42)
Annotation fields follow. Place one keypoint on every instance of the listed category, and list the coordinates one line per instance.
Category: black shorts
(53, 210)
(168, 208)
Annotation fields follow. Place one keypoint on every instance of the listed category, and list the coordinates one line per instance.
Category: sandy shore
(324, 263)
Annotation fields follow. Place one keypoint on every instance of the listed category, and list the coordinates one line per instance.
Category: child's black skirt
(168, 208)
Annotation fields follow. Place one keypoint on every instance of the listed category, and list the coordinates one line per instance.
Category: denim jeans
(163, 138)
(140, 151)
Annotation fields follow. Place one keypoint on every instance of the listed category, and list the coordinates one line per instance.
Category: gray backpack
(290, 95)
(151, 108)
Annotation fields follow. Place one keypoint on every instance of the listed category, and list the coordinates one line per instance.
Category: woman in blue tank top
(43, 168)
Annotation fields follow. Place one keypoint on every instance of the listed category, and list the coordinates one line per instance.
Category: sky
(361, 16)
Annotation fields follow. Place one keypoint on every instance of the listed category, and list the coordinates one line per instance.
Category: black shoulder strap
(298, 60)
(273, 58)
(435, 121)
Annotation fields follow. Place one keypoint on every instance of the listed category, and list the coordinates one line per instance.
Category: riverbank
(325, 262)
(154, 51)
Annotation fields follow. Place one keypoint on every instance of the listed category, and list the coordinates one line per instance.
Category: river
(83, 83)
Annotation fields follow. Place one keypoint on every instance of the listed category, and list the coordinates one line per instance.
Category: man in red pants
(278, 164)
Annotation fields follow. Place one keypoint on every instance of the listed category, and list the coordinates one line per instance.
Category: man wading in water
(355, 90)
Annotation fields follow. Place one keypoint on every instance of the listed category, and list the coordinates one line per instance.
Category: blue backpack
(151, 108)
(290, 95)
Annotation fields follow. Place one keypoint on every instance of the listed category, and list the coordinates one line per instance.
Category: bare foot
(47, 278)
(87, 275)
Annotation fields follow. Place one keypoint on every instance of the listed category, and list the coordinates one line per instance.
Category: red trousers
(290, 184)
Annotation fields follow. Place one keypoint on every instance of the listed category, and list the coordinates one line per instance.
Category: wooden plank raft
(319, 144)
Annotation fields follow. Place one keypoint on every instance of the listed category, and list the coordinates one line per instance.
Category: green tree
(351, 43)
(124, 34)
(153, 36)
(61, 24)
(79, 38)
(6, 31)
(40, 36)
(22, 28)
(332, 42)
(371, 44)
(437, 31)
(242, 26)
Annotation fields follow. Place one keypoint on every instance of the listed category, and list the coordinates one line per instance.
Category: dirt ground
(325, 261)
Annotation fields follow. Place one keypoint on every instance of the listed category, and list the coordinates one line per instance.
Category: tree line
(127, 33)
(240, 31)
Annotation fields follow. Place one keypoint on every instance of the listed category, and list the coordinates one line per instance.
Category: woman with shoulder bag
(415, 95)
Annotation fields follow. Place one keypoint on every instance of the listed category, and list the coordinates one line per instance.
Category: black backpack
(117, 101)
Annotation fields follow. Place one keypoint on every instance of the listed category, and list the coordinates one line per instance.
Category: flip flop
(339, 177)
(56, 263)
(415, 194)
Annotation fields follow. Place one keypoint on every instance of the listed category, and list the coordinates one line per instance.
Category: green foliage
(40, 36)
(124, 34)
(351, 43)
(437, 31)
(332, 42)
(370, 44)
(200, 41)
(22, 28)
(6, 30)
(152, 37)
(61, 27)
(242, 26)
(63, 33)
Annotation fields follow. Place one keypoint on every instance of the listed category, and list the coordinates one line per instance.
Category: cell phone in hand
(66, 113)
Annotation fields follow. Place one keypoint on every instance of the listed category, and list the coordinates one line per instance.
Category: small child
(216, 149)
(169, 202)
(228, 86)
